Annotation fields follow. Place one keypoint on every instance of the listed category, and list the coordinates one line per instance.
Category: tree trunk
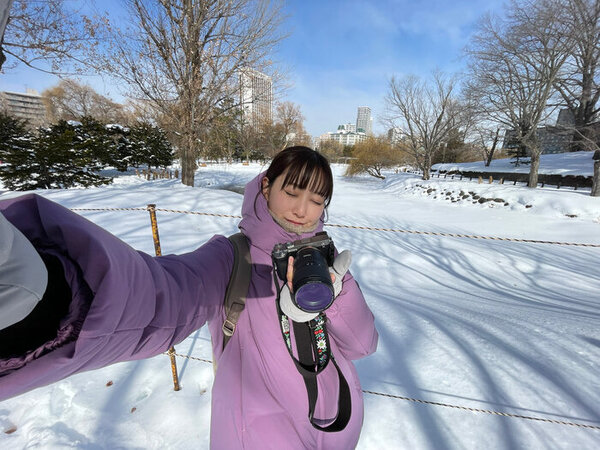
(188, 164)
(488, 160)
(533, 169)
(493, 149)
(427, 166)
(596, 180)
(426, 175)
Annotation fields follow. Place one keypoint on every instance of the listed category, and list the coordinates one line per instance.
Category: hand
(285, 300)
(292, 311)
(339, 269)
(290, 273)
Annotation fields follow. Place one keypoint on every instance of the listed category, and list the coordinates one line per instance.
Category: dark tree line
(69, 153)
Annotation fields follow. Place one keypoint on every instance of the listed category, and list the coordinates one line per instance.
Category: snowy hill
(478, 324)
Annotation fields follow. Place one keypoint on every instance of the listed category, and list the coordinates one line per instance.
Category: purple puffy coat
(128, 305)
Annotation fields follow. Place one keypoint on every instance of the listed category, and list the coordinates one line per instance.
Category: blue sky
(341, 54)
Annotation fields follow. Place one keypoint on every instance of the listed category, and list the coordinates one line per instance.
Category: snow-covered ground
(576, 163)
(492, 325)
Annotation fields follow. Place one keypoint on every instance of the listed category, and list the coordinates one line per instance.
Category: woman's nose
(300, 208)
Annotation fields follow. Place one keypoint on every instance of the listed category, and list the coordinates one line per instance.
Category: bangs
(313, 177)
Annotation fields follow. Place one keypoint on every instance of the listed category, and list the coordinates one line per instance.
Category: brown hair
(304, 168)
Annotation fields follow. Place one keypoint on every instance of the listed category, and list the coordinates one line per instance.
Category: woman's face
(296, 210)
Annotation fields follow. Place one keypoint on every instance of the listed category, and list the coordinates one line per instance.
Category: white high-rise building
(24, 105)
(349, 127)
(394, 135)
(364, 121)
(256, 96)
(345, 135)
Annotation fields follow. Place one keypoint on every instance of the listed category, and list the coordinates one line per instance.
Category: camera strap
(314, 354)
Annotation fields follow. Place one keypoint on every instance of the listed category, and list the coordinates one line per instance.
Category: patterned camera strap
(314, 353)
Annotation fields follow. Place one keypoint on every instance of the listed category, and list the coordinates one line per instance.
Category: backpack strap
(237, 289)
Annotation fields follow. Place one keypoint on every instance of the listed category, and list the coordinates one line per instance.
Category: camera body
(311, 283)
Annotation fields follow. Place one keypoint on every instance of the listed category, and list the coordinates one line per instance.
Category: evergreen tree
(150, 146)
(97, 140)
(108, 143)
(16, 151)
(121, 146)
(64, 155)
(69, 155)
(518, 152)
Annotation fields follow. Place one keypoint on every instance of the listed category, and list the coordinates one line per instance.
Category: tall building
(256, 96)
(394, 135)
(24, 105)
(364, 121)
(345, 135)
(350, 127)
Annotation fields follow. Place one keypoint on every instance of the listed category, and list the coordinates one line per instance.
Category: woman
(127, 305)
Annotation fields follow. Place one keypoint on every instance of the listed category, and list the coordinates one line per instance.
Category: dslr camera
(311, 283)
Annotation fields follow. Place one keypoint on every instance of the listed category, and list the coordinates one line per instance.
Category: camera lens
(313, 290)
(314, 297)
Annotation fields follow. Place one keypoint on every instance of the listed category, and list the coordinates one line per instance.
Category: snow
(576, 163)
(487, 324)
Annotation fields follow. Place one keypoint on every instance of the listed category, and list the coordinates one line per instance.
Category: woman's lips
(294, 222)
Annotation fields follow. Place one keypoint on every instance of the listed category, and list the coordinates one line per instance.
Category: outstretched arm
(124, 304)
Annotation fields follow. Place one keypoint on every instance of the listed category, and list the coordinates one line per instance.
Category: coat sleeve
(130, 305)
(351, 322)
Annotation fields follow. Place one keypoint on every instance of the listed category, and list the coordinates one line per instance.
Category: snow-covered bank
(575, 163)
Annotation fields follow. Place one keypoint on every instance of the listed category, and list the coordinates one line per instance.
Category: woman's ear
(265, 188)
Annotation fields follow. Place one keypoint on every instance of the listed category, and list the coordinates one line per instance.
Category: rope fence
(367, 228)
(172, 353)
(445, 405)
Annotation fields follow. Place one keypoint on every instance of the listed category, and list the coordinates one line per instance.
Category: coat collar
(258, 225)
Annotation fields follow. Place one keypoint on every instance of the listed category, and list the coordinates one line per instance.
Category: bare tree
(290, 117)
(222, 140)
(285, 129)
(486, 139)
(249, 140)
(426, 112)
(185, 58)
(300, 136)
(333, 150)
(70, 100)
(49, 36)
(579, 82)
(272, 137)
(373, 155)
(514, 64)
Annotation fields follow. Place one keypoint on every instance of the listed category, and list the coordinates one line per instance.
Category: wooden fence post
(154, 224)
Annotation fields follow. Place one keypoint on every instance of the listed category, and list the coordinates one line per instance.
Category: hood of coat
(258, 225)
